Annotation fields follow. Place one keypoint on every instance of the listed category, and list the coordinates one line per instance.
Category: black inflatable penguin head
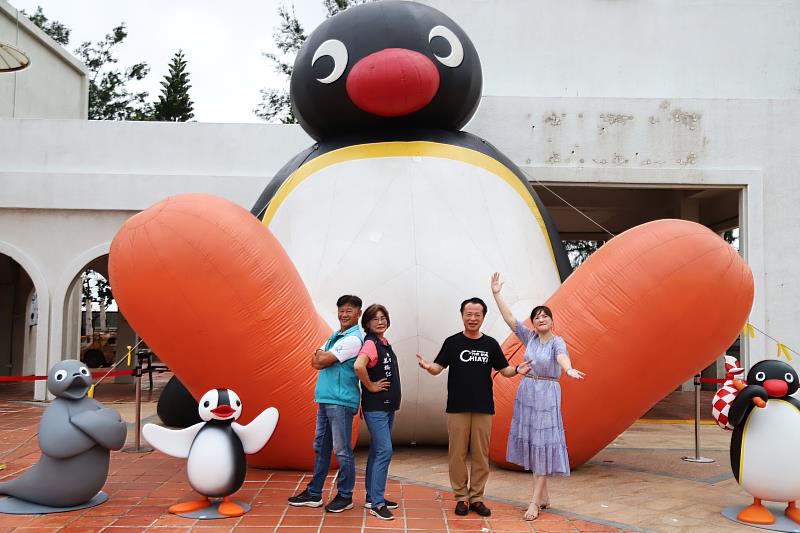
(69, 379)
(219, 404)
(778, 377)
(385, 66)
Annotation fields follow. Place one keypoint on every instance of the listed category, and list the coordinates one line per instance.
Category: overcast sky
(222, 42)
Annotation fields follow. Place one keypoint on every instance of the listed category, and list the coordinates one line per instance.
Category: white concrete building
(630, 111)
(55, 85)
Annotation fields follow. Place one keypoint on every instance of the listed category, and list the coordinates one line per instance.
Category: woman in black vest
(376, 367)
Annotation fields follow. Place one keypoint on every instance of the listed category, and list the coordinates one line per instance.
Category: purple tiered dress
(536, 437)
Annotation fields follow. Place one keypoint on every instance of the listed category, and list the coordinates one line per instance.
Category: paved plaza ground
(638, 483)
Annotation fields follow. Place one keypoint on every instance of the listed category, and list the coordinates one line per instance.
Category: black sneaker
(479, 508)
(339, 504)
(389, 503)
(382, 512)
(305, 499)
(462, 509)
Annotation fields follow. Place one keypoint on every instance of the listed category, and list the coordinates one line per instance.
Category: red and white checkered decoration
(721, 403)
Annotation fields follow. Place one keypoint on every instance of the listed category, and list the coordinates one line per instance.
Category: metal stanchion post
(137, 379)
(697, 457)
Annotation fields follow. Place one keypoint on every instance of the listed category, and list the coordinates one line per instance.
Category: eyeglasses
(379, 319)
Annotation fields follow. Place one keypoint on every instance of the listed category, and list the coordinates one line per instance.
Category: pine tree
(174, 104)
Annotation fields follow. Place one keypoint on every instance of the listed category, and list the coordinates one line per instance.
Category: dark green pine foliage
(174, 104)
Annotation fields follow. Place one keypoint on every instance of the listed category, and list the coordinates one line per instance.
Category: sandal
(529, 516)
(544, 506)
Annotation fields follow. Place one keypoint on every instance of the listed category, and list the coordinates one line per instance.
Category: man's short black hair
(474, 300)
(349, 299)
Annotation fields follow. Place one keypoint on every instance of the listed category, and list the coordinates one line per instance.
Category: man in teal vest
(337, 394)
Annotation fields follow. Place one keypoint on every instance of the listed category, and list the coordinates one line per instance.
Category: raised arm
(497, 286)
(434, 369)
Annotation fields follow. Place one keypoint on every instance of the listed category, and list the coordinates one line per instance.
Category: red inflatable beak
(393, 82)
(776, 387)
(223, 410)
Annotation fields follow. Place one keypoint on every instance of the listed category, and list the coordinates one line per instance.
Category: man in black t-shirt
(470, 356)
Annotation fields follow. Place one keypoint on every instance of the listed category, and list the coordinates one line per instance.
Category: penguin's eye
(761, 376)
(206, 403)
(84, 371)
(60, 375)
(788, 377)
(442, 40)
(331, 69)
(239, 404)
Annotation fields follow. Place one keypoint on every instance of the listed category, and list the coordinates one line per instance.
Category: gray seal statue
(76, 434)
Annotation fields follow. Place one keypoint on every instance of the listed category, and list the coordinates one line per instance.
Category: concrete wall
(67, 186)
(55, 84)
(655, 142)
(634, 49)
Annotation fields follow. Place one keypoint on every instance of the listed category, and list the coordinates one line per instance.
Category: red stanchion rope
(38, 378)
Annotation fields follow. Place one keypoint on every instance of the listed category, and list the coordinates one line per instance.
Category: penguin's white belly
(210, 467)
(418, 234)
(770, 468)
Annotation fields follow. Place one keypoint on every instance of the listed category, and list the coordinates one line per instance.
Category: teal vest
(338, 383)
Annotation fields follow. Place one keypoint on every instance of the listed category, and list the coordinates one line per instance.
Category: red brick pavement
(141, 486)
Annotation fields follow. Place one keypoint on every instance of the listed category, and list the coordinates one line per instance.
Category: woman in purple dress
(536, 436)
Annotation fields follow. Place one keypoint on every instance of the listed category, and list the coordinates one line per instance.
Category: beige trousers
(469, 432)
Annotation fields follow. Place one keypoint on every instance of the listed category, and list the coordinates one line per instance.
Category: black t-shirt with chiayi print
(469, 382)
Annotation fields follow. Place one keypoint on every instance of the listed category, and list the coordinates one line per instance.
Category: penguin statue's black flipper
(743, 404)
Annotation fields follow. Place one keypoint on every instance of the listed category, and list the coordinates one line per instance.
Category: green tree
(174, 104)
(56, 30)
(110, 97)
(289, 36)
(579, 251)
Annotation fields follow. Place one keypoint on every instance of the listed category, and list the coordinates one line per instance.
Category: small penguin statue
(215, 449)
(766, 421)
(76, 434)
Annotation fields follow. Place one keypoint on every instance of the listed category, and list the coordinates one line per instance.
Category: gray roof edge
(13, 13)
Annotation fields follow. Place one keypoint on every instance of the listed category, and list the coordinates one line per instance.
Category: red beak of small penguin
(393, 82)
(776, 387)
(223, 410)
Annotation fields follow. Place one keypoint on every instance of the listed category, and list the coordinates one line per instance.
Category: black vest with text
(385, 367)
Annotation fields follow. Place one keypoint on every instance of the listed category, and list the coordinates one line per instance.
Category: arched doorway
(19, 319)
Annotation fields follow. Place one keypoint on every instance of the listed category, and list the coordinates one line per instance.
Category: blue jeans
(334, 433)
(379, 424)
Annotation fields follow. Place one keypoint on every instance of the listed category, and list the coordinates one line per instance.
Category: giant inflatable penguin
(764, 441)
(394, 203)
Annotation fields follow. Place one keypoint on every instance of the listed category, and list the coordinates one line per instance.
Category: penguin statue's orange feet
(188, 507)
(792, 512)
(229, 508)
(756, 514)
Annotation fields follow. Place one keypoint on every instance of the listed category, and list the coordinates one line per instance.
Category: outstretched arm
(511, 371)
(497, 286)
(566, 364)
(433, 369)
